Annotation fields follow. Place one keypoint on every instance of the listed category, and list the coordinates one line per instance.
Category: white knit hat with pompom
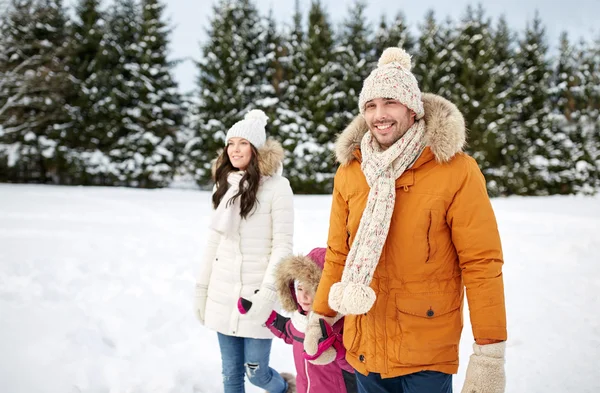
(392, 79)
(251, 128)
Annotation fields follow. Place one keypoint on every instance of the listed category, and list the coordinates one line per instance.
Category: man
(411, 226)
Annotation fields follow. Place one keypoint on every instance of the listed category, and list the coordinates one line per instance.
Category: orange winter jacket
(443, 237)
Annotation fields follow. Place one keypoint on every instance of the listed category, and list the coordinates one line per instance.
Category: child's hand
(321, 344)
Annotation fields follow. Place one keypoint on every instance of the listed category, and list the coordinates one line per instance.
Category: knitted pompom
(257, 114)
(350, 298)
(398, 55)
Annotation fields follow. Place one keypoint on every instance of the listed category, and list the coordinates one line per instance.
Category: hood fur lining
(445, 131)
(295, 267)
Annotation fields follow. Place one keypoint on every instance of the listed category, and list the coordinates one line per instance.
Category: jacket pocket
(430, 327)
(352, 335)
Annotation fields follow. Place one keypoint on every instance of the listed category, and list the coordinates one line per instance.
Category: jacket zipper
(428, 238)
(239, 248)
(307, 376)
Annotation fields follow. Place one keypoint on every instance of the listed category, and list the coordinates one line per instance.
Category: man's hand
(485, 372)
(321, 344)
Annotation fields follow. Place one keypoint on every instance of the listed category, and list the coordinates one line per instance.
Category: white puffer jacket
(236, 267)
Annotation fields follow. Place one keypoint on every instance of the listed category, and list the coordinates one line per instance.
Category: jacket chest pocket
(430, 326)
(424, 237)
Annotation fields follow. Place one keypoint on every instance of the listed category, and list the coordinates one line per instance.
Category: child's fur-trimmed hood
(295, 268)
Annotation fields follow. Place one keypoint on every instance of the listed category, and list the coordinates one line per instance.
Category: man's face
(388, 120)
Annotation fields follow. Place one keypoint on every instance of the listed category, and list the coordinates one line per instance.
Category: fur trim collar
(270, 159)
(292, 268)
(445, 131)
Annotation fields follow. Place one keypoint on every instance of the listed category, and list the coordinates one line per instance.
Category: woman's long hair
(248, 184)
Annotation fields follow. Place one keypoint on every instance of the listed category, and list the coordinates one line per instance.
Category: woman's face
(239, 151)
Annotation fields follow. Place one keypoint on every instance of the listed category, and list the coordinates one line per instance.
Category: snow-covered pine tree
(591, 124)
(160, 114)
(500, 113)
(568, 167)
(526, 151)
(473, 52)
(345, 73)
(354, 60)
(290, 120)
(316, 175)
(34, 117)
(229, 84)
(85, 63)
(120, 78)
(396, 34)
(267, 72)
(434, 62)
(585, 135)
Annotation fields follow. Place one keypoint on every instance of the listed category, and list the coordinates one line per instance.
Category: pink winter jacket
(335, 377)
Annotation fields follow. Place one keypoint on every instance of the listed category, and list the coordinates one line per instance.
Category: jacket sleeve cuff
(490, 332)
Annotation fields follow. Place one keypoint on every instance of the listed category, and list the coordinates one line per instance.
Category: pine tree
(268, 71)
(566, 162)
(355, 57)
(500, 114)
(85, 62)
(290, 121)
(433, 63)
(34, 117)
(317, 175)
(229, 82)
(592, 124)
(160, 115)
(114, 163)
(395, 35)
(530, 132)
(473, 71)
(345, 72)
(586, 118)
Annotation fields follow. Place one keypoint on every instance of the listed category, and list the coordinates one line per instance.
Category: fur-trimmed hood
(445, 131)
(301, 268)
(270, 159)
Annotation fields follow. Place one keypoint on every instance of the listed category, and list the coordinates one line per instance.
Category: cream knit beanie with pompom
(251, 128)
(392, 79)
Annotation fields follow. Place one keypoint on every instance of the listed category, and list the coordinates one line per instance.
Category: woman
(251, 230)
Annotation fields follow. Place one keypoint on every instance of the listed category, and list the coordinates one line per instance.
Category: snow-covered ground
(96, 288)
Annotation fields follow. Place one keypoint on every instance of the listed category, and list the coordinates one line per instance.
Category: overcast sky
(190, 19)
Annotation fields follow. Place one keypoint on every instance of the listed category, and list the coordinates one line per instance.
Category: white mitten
(485, 372)
(262, 305)
(200, 301)
(319, 345)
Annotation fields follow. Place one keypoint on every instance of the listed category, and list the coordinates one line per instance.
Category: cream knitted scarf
(353, 295)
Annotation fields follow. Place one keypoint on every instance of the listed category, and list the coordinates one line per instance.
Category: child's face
(305, 298)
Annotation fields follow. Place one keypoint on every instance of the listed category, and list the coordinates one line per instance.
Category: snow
(96, 289)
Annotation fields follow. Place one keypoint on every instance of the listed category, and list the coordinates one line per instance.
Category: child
(332, 374)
